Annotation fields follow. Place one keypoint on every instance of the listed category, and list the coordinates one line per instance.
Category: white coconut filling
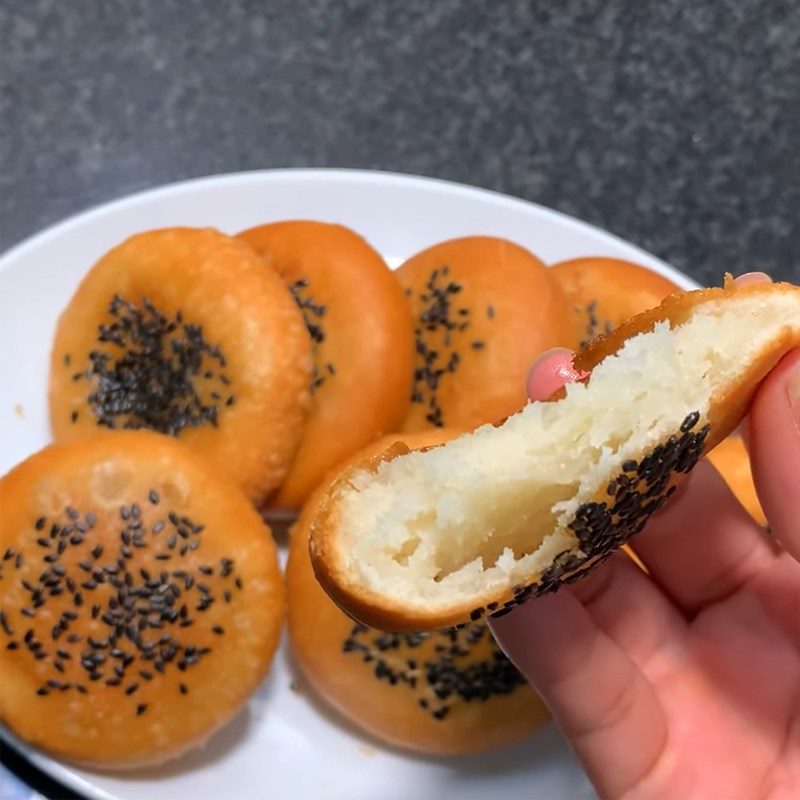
(479, 514)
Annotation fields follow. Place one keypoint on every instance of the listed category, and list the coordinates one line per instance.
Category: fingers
(775, 450)
(750, 278)
(625, 604)
(550, 372)
(597, 695)
(703, 546)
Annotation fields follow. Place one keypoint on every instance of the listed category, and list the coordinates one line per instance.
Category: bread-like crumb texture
(423, 540)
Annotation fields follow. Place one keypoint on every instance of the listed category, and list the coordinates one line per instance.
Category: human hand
(685, 682)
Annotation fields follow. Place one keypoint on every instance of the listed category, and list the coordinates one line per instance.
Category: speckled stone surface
(673, 124)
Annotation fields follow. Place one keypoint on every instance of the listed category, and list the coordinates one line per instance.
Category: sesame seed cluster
(449, 677)
(153, 371)
(636, 493)
(440, 314)
(140, 599)
(594, 325)
(313, 315)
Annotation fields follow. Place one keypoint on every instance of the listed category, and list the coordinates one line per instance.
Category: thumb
(775, 450)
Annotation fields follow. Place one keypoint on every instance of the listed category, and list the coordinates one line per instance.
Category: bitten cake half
(415, 541)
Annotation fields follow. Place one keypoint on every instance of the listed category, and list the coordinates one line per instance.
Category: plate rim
(62, 771)
(301, 174)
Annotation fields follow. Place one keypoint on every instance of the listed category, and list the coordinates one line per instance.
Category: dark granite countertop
(674, 125)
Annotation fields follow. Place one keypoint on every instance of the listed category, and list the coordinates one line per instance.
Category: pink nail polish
(751, 278)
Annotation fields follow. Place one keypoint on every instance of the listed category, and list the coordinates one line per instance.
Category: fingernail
(750, 278)
(550, 372)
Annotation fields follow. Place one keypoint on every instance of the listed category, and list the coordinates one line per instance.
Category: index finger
(550, 372)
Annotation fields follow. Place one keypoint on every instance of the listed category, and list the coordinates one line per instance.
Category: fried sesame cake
(602, 293)
(183, 331)
(484, 308)
(440, 692)
(360, 328)
(423, 540)
(141, 599)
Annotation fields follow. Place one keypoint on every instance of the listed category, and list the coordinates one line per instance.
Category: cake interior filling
(499, 501)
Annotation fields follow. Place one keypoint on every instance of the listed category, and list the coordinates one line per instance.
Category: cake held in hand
(415, 541)
(440, 692)
(140, 602)
(484, 309)
(360, 328)
(183, 331)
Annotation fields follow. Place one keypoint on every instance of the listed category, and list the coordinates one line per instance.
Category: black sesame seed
(151, 384)
(690, 421)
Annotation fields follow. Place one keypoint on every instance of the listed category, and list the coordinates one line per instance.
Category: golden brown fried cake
(484, 309)
(140, 601)
(183, 331)
(360, 327)
(415, 541)
(441, 692)
(602, 293)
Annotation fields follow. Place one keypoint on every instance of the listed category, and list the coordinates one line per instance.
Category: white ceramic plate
(284, 744)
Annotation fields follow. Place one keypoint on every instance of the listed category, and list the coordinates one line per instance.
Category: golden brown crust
(602, 293)
(603, 523)
(383, 695)
(363, 346)
(219, 284)
(103, 509)
(484, 308)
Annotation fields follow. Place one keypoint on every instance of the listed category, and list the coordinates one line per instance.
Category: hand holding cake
(684, 680)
